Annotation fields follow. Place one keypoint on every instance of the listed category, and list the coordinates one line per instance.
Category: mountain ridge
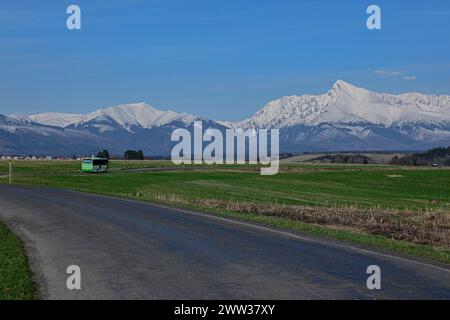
(347, 103)
(346, 117)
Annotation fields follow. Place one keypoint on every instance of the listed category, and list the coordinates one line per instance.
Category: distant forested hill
(437, 156)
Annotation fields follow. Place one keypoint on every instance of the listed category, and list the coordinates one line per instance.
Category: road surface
(133, 250)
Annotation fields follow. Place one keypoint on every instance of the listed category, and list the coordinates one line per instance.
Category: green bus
(94, 165)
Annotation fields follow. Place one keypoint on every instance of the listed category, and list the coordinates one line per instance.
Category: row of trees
(133, 155)
(128, 155)
(344, 158)
(103, 154)
(436, 156)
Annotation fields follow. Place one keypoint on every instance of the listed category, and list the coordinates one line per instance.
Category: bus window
(100, 162)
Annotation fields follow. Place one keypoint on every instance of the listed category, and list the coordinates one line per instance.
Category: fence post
(10, 172)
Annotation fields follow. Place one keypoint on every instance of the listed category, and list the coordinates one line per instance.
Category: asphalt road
(134, 250)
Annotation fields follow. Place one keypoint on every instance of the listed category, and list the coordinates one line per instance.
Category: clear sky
(222, 59)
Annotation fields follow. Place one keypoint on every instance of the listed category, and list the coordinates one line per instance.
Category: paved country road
(134, 250)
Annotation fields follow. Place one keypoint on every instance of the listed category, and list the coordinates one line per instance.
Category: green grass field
(314, 185)
(15, 276)
(414, 198)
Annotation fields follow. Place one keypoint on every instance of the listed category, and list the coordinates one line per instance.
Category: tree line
(434, 157)
(128, 155)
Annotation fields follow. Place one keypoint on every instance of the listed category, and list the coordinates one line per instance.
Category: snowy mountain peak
(127, 116)
(344, 118)
(346, 103)
(343, 85)
(342, 89)
(56, 119)
(139, 115)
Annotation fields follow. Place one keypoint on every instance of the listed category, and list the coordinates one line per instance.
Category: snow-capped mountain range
(128, 116)
(345, 103)
(344, 118)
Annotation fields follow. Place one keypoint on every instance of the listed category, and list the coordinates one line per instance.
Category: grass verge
(425, 252)
(15, 275)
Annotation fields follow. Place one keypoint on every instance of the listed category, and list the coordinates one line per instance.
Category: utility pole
(10, 172)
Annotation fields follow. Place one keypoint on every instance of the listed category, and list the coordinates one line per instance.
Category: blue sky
(223, 59)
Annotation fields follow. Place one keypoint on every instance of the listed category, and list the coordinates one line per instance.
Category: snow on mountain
(132, 126)
(20, 136)
(346, 103)
(343, 103)
(11, 124)
(56, 119)
(137, 115)
(343, 119)
(127, 116)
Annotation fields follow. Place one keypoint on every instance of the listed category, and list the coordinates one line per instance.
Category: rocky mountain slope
(346, 118)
